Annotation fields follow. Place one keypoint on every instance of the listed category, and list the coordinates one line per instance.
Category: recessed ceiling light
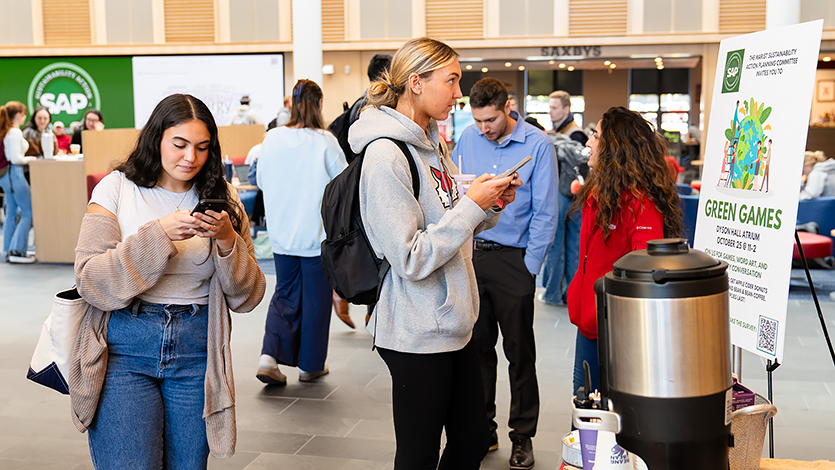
(570, 68)
(658, 59)
(607, 62)
(469, 67)
(484, 70)
(521, 67)
(611, 66)
(660, 67)
(507, 64)
(562, 66)
(550, 62)
(827, 59)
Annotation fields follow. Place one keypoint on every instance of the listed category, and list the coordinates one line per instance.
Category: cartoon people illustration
(728, 182)
(767, 163)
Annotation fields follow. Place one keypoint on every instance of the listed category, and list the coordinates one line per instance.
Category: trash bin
(748, 426)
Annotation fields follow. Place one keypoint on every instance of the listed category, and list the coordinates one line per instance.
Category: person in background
(559, 109)
(820, 180)
(15, 188)
(37, 125)
(628, 199)
(62, 139)
(283, 116)
(245, 114)
(563, 257)
(151, 380)
(298, 318)
(511, 98)
(422, 324)
(93, 121)
(508, 257)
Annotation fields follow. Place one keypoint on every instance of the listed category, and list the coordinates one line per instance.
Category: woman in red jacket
(628, 199)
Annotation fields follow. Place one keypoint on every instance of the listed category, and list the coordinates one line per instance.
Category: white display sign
(218, 80)
(751, 176)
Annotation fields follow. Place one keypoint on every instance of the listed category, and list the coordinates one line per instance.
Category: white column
(781, 13)
(223, 21)
(418, 18)
(158, 14)
(37, 23)
(98, 25)
(710, 16)
(561, 18)
(634, 16)
(307, 40)
(491, 18)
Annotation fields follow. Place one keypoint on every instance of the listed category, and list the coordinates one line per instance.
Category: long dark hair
(305, 111)
(144, 164)
(630, 160)
(31, 124)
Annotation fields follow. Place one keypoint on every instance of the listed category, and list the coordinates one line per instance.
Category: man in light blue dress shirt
(508, 257)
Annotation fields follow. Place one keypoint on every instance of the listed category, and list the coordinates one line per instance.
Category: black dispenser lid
(668, 268)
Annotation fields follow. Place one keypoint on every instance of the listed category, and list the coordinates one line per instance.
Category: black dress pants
(432, 393)
(506, 291)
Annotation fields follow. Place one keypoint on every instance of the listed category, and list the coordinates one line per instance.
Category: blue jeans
(563, 257)
(150, 412)
(586, 349)
(17, 195)
(299, 315)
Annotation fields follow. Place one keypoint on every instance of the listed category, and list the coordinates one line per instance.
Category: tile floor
(344, 421)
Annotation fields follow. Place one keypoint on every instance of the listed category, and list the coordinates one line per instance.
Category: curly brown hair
(630, 160)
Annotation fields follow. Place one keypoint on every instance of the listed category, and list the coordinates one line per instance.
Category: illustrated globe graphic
(751, 132)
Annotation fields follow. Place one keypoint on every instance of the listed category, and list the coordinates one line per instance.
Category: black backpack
(4, 164)
(340, 127)
(353, 268)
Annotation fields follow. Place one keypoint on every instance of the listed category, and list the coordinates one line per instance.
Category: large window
(662, 97)
(542, 82)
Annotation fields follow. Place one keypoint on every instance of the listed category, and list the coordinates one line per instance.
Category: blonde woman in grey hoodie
(423, 322)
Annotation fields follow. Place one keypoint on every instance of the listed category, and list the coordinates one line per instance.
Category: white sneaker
(18, 258)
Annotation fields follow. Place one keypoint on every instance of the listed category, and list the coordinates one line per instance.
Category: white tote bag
(50, 363)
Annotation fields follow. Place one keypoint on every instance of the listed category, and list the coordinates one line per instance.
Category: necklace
(177, 204)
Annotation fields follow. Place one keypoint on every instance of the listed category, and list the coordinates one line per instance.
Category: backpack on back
(353, 268)
(342, 123)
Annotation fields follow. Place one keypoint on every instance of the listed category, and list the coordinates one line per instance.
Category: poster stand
(771, 366)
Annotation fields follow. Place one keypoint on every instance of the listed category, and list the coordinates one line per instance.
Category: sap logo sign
(70, 105)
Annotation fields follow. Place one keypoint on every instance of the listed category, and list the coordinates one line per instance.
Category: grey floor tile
(310, 462)
(349, 448)
(312, 424)
(239, 461)
(373, 429)
(353, 410)
(275, 442)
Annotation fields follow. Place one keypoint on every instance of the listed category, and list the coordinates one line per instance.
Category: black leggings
(433, 392)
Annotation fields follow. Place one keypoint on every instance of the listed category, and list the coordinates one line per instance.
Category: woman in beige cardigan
(151, 378)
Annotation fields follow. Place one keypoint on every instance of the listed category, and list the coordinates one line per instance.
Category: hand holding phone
(515, 167)
(217, 205)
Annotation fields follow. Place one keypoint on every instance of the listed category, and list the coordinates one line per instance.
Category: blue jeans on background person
(586, 349)
(299, 315)
(18, 196)
(563, 257)
(150, 412)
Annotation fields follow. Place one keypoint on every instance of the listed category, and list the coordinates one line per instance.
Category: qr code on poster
(767, 335)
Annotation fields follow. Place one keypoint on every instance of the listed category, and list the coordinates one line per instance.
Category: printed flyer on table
(751, 176)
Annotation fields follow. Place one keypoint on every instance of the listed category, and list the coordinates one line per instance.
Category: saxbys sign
(570, 51)
(66, 89)
(751, 174)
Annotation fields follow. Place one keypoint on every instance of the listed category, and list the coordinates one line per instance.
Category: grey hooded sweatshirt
(429, 299)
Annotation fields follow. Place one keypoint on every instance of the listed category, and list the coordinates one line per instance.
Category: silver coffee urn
(665, 363)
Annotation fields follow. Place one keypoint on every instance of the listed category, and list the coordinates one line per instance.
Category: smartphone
(204, 205)
(515, 167)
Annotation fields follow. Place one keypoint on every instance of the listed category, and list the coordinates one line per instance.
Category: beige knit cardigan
(110, 273)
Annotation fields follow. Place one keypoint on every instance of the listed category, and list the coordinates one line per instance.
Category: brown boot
(341, 307)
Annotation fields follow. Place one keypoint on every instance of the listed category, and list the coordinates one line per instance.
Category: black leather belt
(486, 245)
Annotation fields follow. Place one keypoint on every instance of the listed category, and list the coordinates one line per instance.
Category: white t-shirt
(187, 276)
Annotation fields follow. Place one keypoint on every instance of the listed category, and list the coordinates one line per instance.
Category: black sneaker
(521, 457)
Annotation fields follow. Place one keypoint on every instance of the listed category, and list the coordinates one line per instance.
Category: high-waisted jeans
(18, 196)
(150, 412)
